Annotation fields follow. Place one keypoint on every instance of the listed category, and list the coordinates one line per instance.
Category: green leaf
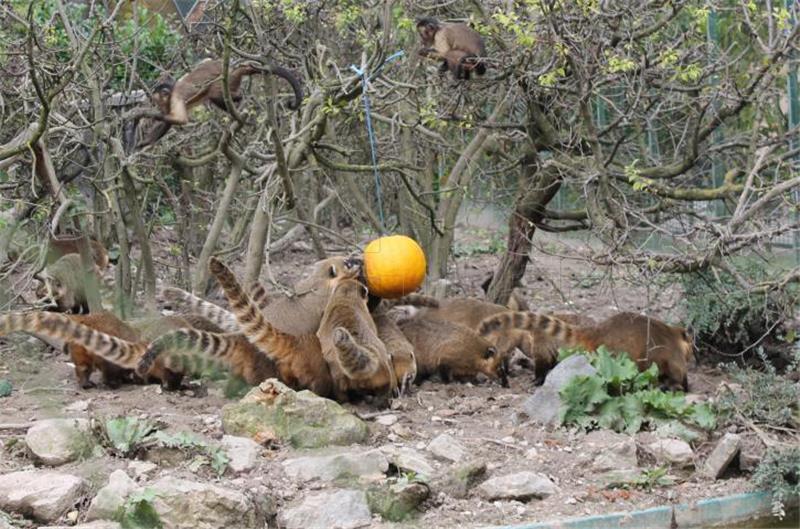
(580, 397)
(139, 512)
(126, 433)
(618, 371)
(703, 416)
(646, 379)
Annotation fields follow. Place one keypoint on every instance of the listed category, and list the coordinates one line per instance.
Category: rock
(722, 455)
(341, 509)
(544, 405)
(673, 451)
(183, 504)
(79, 406)
(386, 420)
(142, 469)
(5, 521)
(672, 429)
(751, 452)
(98, 524)
(397, 502)
(299, 417)
(44, 495)
(111, 498)
(408, 459)
(446, 447)
(610, 451)
(519, 486)
(458, 481)
(243, 453)
(337, 464)
(57, 441)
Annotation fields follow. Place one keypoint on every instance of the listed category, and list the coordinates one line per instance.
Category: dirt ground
(481, 416)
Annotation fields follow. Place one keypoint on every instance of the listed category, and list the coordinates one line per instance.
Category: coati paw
(341, 337)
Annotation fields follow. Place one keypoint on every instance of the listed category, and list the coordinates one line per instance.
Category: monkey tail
(275, 344)
(280, 71)
(554, 328)
(187, 350)
(218, 315)
(115, 350)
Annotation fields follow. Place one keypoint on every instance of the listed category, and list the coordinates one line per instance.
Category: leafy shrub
(138, 512)
(125, 435)
(779, 474)
(621, 398)
(214, 456)
(728, 318)
(762, 397)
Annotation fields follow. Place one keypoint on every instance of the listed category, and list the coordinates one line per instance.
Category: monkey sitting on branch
(203, 84)
(458, 46)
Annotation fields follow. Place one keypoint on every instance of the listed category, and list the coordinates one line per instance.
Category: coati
(203, 84)
(111, 346)
(59, 247)
(86, 362)
(298, 357)
(63, 284)
(401, 352)
(458, 46)
(452, 350)
(357, 358)
(176, 297)
(645, 340)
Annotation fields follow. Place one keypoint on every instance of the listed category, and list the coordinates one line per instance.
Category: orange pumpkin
(394, 266)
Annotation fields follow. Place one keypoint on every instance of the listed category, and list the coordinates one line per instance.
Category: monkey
(58, 247)
(457, 45)
(63, 284)
(204, 84)
(452, 350)
(645, 340)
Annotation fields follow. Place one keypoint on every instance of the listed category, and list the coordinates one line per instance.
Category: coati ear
(332, 271)
(489, 352)
(363, 291)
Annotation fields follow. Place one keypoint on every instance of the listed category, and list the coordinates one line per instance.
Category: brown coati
(645, 340)
(298, 357)
(452, 350)
(64, 284)
(86, 362)
(176, 298)
(59, 247)
(358, 360)
(111, 347)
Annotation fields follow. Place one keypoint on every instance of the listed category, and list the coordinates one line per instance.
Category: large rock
(445, 447)
(458, 481)
(518, 486)
(43, 495)
(673, 451)
(111, 498)
(610, 451)
(57, 441)
(544, 405)
(722, 455)
(331, 465)
(99, 524)
(299, 417)
(183, 504)
(341, 509)
(408, 459)
(398, 501)
(243, 453)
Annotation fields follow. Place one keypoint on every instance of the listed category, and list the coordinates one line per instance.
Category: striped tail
(356, 361)
(557, 330)
(220, 316)
(416, 300)
(189, 350)
(54, 325)
(259, 295)
(274, 343)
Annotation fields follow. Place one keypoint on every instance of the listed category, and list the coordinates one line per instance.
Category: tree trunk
(544, 183)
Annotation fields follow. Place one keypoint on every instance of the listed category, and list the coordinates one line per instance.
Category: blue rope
(370, 131)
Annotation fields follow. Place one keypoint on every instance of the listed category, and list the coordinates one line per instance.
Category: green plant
(649, 479)
(214, 456)
(761, 397)
(125, 435)
(727, 317)
(779, 474)
(138, 512)
(621, 398)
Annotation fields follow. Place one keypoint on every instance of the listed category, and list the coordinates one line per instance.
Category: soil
(481, 416)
